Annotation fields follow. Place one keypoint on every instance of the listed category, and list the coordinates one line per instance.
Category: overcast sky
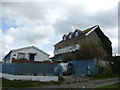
(43, 23)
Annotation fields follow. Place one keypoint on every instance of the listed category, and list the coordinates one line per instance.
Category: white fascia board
(91, 31)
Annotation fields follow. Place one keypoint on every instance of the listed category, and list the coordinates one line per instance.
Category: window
(77, 46)
(14, 54)
(21, 55)
(76, 34)
(64, 38)
(70, 36)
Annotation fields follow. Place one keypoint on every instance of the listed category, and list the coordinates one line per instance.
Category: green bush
(115, 64)
(87, 51)
(23, 59)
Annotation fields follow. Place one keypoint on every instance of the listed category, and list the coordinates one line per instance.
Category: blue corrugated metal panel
(0, 67)
(80, 67)
(28, 68)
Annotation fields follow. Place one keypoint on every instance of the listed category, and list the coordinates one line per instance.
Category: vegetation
(37, 84)
(47, 61)
(104, 76)
(23, 59)
(27, 84)
(87, 51)
(115, 64)
(117, 85)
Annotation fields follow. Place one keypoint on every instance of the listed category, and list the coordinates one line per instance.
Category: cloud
(79, 16)
(30, 13)
(25, 36)
(43, 23)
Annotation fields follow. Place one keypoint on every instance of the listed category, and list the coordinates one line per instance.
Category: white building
(30, 53)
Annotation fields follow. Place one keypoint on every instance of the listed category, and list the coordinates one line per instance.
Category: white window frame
(21, 55)
(76, 34)
(70, 36)
(64, 38)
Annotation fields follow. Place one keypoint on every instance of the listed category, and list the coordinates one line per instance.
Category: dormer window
(70, 36)
(64, 38)
(76, 34)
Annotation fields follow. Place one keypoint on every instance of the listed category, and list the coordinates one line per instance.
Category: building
(72, 41)
(30, 53)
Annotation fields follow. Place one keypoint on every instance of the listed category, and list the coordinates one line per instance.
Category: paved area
(73, 79)
(87, 84)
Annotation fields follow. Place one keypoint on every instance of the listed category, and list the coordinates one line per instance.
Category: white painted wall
(67, 49)
(32, 78)
(38, 57)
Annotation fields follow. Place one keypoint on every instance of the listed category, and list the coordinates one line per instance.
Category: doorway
(31, 57)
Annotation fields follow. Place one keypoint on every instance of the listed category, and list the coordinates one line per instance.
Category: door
(32, 57)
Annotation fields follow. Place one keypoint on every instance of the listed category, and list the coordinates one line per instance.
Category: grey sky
(43, 23)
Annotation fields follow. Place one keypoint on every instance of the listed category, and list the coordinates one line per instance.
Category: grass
(27, 84)
(37, 84)
(104, 76)
(117, 85)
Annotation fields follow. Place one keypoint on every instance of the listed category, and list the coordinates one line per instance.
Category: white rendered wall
(31, 78)
(38, 57)
(67, 49)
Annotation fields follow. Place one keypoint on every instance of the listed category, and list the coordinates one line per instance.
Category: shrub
(23, 59)
(87, 51)
(115, 64)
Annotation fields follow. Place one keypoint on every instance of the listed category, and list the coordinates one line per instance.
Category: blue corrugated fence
(29, 68)
(80, 67)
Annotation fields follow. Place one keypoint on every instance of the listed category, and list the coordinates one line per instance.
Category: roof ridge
(89, 29)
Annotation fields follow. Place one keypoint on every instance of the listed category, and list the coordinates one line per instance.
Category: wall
(31, 78)
(38, 57)
(103, 63)
(71, 42)
(93, 38)
(80, 67)
(67, 49)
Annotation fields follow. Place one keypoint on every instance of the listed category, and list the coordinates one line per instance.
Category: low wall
(31, 78)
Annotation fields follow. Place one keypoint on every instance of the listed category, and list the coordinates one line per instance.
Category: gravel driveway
(87, 84)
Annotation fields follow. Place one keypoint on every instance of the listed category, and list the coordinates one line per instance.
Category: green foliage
(87, 51)
(91, 50)
(105, 70)
(115, 64)
(58, 61)
(23, 59)
(15, 83)
(27, 84)
(104, 76)
(47, 61)
(116, 85)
